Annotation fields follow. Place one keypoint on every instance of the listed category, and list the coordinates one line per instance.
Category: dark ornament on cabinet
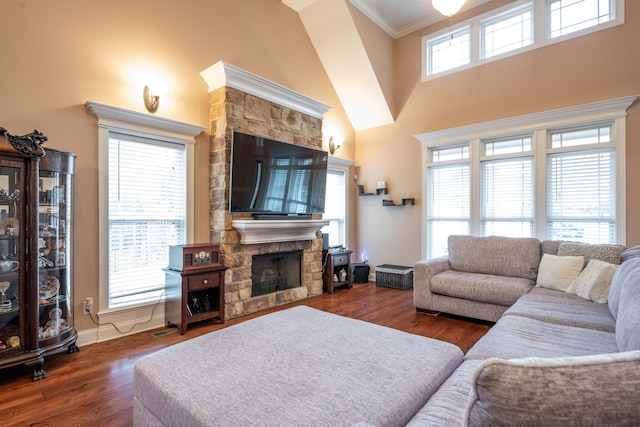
(29, 144)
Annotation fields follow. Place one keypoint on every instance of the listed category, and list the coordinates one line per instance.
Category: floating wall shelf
(406, 201)
(379, 191)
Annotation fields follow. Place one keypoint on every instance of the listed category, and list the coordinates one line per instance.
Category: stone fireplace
(243, 102)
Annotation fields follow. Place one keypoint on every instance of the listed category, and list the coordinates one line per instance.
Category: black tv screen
(273, 177)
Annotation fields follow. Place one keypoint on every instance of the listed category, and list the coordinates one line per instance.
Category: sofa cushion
(563, 309)
(607, 253)
(501, 256)
(618, 281)
(558, 272)
(516, 336)
(594, 281)
(628, 321)
(446, 406)
(550, 246)
(578, 391)
(628, 253)
(480, 287)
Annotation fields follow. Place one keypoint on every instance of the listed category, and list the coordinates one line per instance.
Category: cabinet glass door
(12, 320)
(54, 272)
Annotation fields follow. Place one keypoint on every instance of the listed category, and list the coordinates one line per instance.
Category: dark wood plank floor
(95, 386)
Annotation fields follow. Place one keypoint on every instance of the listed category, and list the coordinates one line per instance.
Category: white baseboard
(129, 322)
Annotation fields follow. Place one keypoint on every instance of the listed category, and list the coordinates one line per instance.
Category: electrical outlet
(87, 306)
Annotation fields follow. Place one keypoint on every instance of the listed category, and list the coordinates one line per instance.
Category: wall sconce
(333, 145)
(150, 101)
(448, 7)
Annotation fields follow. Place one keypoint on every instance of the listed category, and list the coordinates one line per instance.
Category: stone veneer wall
(230, 110)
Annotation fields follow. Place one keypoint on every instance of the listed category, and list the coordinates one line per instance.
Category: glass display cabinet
(56, 330)
(14, 292)
(36, 275)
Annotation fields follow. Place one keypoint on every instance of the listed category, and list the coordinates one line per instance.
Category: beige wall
(56, 55)
(596, 67)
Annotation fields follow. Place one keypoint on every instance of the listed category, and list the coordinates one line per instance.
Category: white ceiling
(401, 17)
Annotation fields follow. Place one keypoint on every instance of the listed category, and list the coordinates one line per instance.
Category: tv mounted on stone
(276, 180)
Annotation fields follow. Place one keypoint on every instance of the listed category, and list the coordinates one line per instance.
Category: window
(335, 207)
(581, 193)
(147, 214)
(567, 16)
(449, 197)
(146, 203)
(512, 29)
(336, 202)
(552, 175)
(507, 188)
(449, 51)
(507, 31)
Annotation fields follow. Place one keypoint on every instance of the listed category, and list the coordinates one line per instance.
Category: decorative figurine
(54, 326)
(4, 305)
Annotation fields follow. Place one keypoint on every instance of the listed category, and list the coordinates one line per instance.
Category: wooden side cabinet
(194, 285)
(337, 270)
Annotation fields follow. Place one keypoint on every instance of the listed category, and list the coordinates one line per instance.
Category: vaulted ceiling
(355, 77)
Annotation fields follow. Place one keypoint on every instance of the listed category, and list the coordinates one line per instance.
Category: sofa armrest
(423, 271)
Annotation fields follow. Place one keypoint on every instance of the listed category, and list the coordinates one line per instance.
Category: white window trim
(538, 125)
(540, 35)
(344, 165)
(114, 119)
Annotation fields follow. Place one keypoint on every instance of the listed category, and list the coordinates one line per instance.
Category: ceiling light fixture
(448, 7)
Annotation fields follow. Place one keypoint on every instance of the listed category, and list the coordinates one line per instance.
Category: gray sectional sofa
(553, 358)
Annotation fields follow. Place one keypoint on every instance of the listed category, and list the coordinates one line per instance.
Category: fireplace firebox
(275, 272)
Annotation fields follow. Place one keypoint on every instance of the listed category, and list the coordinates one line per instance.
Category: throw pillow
(606, 253)
(594, 281)
(592, 390)
(558, 272)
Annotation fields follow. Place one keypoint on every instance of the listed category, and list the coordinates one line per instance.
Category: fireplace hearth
(275, 272)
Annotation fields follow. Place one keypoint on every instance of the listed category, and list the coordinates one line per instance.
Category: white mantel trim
(259, 231)
(223, 74)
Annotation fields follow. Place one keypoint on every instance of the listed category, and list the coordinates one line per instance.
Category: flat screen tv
(271, 179)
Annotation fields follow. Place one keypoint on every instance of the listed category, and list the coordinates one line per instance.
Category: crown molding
(114, 118)
(604, 110)
(224, 74)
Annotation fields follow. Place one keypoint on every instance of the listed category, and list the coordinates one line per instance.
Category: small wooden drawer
(203, 281)
(342, 259)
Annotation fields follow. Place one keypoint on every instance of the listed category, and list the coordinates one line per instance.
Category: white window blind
(507, 187)
(448, 207)
(449, 51)
(147, 213)
(335, 207)
(507, 31)
(507, 197)
(568, 16)
(581, 196)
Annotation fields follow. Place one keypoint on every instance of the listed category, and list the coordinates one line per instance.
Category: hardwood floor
(95, 385)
